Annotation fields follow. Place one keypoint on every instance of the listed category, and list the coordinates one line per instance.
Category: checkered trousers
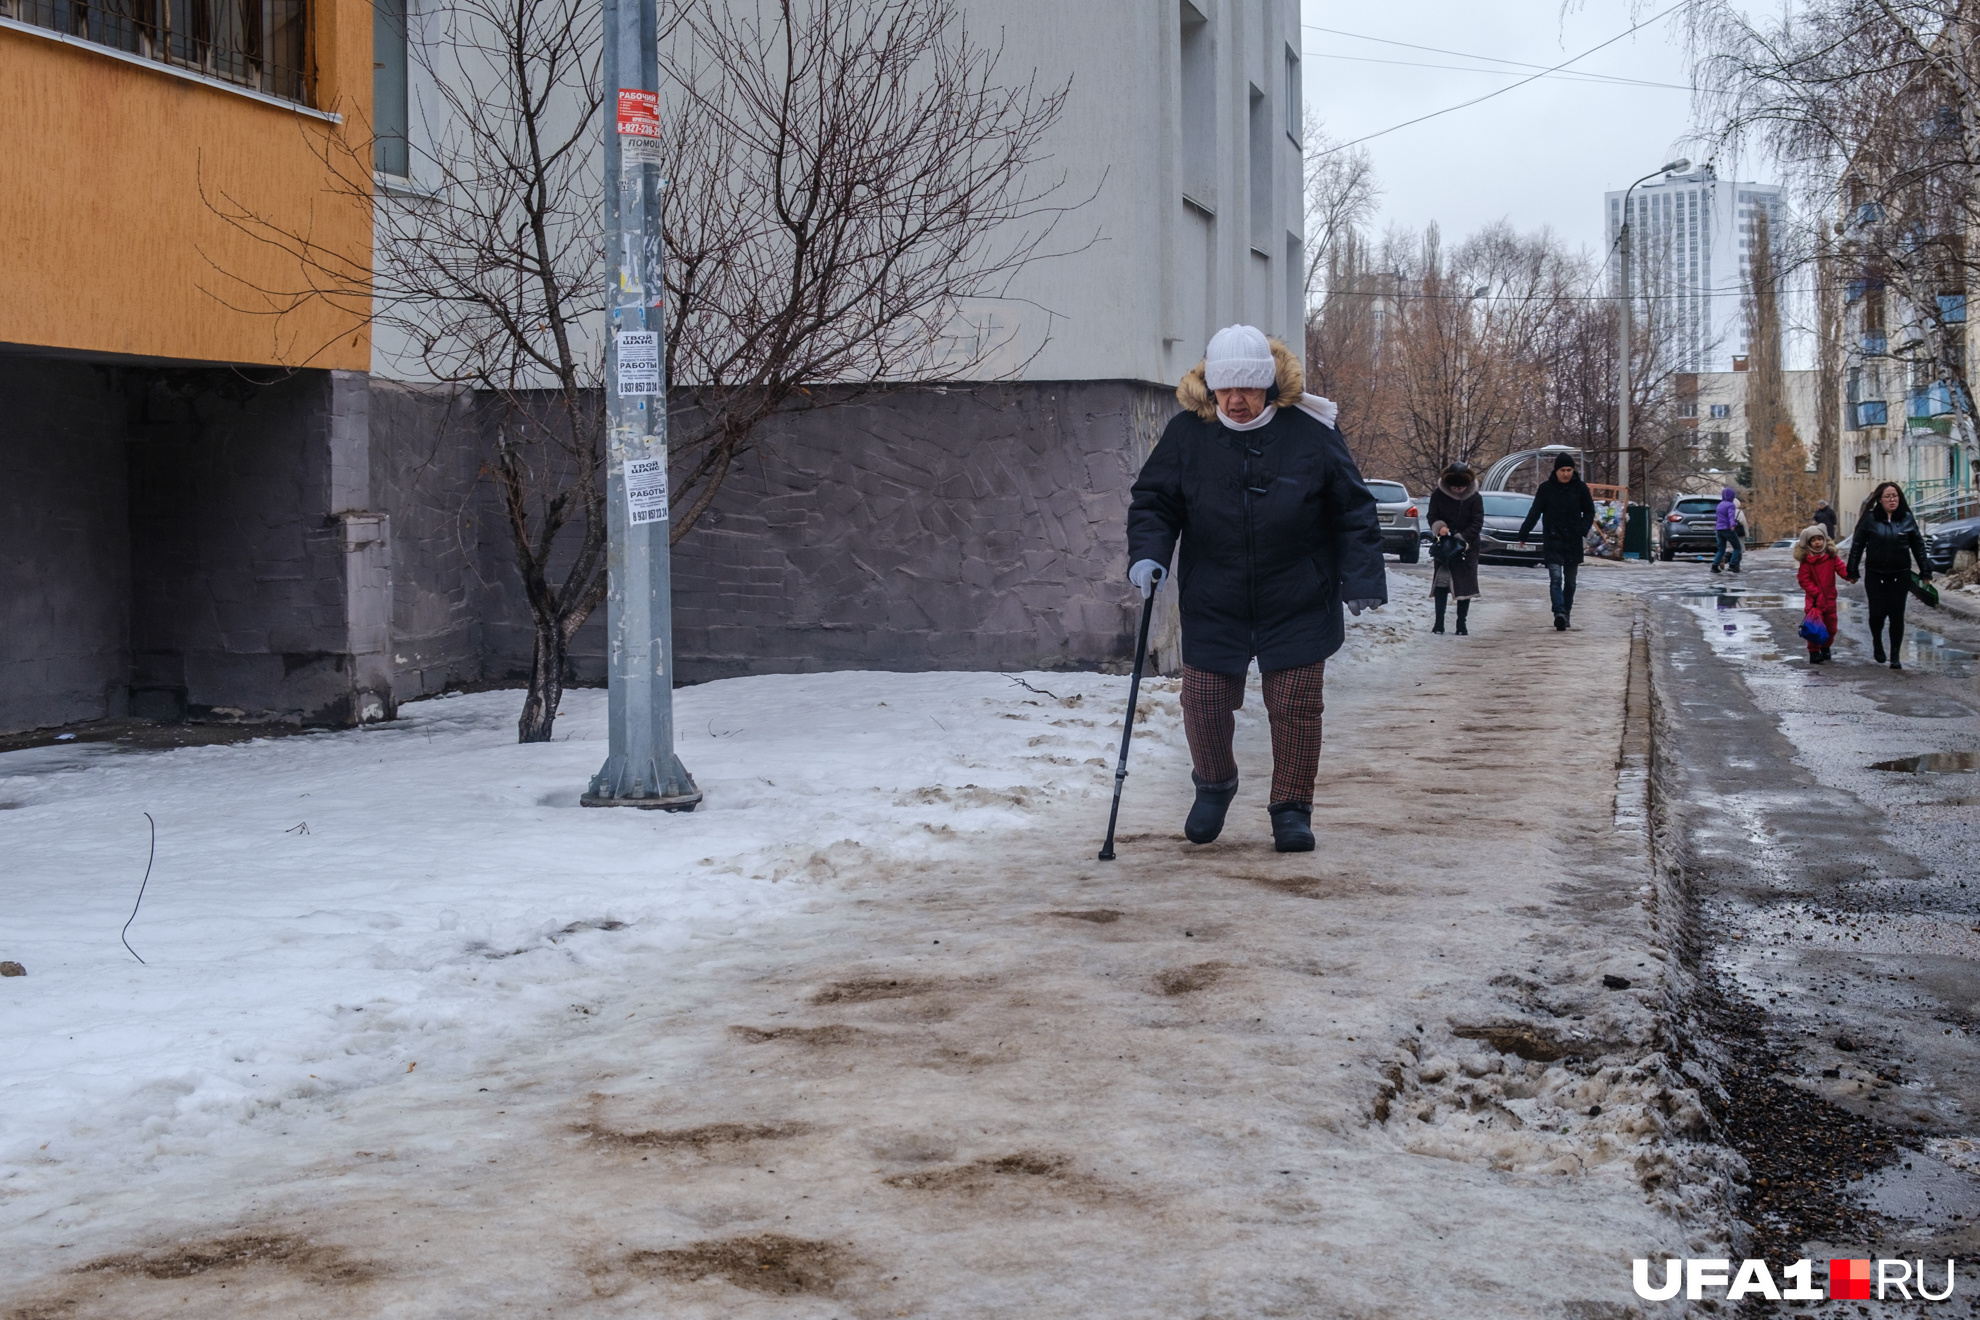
(1292, 700)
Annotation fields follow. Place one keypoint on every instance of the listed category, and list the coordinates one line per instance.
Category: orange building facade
(123, 168)
(185, 514)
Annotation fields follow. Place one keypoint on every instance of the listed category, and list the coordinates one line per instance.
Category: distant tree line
(1503, 341)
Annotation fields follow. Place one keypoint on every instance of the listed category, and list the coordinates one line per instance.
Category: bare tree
(851, 182)
(1784, 490)
(1498, 344)
(1872, 110)
(857, 188)
(1341, 193)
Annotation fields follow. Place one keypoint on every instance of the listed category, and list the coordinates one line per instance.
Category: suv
(1400, 519)
(1690, 528)
(1950, 523)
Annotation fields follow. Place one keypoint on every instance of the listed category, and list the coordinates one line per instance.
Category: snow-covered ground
(399, 988)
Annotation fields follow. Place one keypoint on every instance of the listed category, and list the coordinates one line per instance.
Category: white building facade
(1691, 243)
(972, 524)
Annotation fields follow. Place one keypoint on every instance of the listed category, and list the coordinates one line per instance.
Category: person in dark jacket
(1884, 543)
(1278, 530)
(1457, 506)
(1825, 517)
(1725, 524)
(1567, 506)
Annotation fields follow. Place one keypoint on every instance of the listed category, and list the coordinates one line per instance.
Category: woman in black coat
(1278, 530)
(1885, 542)
(1458, 508)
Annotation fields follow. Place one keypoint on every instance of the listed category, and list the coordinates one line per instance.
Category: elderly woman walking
(1277, 530)
(1458, 510)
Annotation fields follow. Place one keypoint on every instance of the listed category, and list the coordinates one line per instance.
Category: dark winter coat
(1827, 518)
(1465, 515)
(1569, 511)
(1277, 529)
(1886, 545)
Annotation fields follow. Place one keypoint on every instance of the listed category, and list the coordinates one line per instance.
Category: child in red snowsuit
(1820, 566)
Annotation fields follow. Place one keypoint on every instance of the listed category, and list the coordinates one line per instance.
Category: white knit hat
(1239, 358)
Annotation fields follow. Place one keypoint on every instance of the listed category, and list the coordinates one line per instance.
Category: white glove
(1357, 606)
(1148, 575)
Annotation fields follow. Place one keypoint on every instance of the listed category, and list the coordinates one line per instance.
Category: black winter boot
(1464, 608)
(1292, 826)
(1206, 815)
(1442, 598)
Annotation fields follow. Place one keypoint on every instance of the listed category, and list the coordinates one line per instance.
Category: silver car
(1401, 519)
(1505, 510)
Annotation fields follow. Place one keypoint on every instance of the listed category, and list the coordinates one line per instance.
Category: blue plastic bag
(1813, 631)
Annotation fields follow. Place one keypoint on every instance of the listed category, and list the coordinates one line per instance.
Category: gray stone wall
(260, 582)
(959, 528)
(64, 545)
(183, 540)
(424, 459)
(319, 545)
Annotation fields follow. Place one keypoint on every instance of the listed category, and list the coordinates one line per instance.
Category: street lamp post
(641, 768)
(1622, 322)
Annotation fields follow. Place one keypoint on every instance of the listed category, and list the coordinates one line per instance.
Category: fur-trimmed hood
(1288, 389)
(1458, 494)
(1808, 534)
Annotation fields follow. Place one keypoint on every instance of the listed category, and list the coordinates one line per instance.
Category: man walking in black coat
(1278, 530)
(1567, 507)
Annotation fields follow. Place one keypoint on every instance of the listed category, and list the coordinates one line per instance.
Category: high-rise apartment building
(1691, 242)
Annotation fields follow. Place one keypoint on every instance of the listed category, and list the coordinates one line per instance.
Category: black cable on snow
(141, 884)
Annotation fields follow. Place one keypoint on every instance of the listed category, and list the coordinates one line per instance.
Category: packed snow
(356, 943)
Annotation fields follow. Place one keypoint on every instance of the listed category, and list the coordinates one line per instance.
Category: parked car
(1401, 519)
(1505, 510)
(1950, 524)
(1690, 528)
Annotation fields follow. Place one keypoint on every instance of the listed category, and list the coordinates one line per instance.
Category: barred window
(258, 44)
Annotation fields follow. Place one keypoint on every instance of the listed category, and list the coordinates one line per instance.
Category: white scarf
(1323, 411)
(1271, 411)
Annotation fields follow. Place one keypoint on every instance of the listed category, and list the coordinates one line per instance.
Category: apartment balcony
(1869, 412)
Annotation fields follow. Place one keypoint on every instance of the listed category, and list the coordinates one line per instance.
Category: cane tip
(1106, 854)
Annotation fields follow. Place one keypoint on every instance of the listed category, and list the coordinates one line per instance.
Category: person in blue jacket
(1278, 530)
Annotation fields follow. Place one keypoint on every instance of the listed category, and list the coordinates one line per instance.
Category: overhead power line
(1598, 81)
(1556, 68)
(1579, 75)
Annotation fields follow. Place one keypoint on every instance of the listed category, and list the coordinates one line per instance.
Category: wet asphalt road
(1840, 900)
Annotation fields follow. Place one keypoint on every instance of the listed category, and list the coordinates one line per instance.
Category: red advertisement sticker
(639, 113)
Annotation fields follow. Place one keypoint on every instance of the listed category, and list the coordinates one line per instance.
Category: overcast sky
(1540, 154)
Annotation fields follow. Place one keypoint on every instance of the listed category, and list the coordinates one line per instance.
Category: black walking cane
(1127, 729)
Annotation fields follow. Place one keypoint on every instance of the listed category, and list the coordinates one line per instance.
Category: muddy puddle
(1932, 763)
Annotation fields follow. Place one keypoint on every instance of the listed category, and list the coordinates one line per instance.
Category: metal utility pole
(1622, 323)
(641, 769)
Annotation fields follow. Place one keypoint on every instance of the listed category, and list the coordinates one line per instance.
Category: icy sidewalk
(871, 1034)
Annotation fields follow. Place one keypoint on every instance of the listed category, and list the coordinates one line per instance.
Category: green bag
(1925, 591)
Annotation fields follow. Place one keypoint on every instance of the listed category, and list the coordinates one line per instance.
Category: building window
(1199, 110)
(1261, 173)
(257, 44)
(1293, 97)
(390, 107)
(1722, 410)
(1296, 293)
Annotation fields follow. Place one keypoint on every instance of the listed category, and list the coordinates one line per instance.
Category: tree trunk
(546, 684)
